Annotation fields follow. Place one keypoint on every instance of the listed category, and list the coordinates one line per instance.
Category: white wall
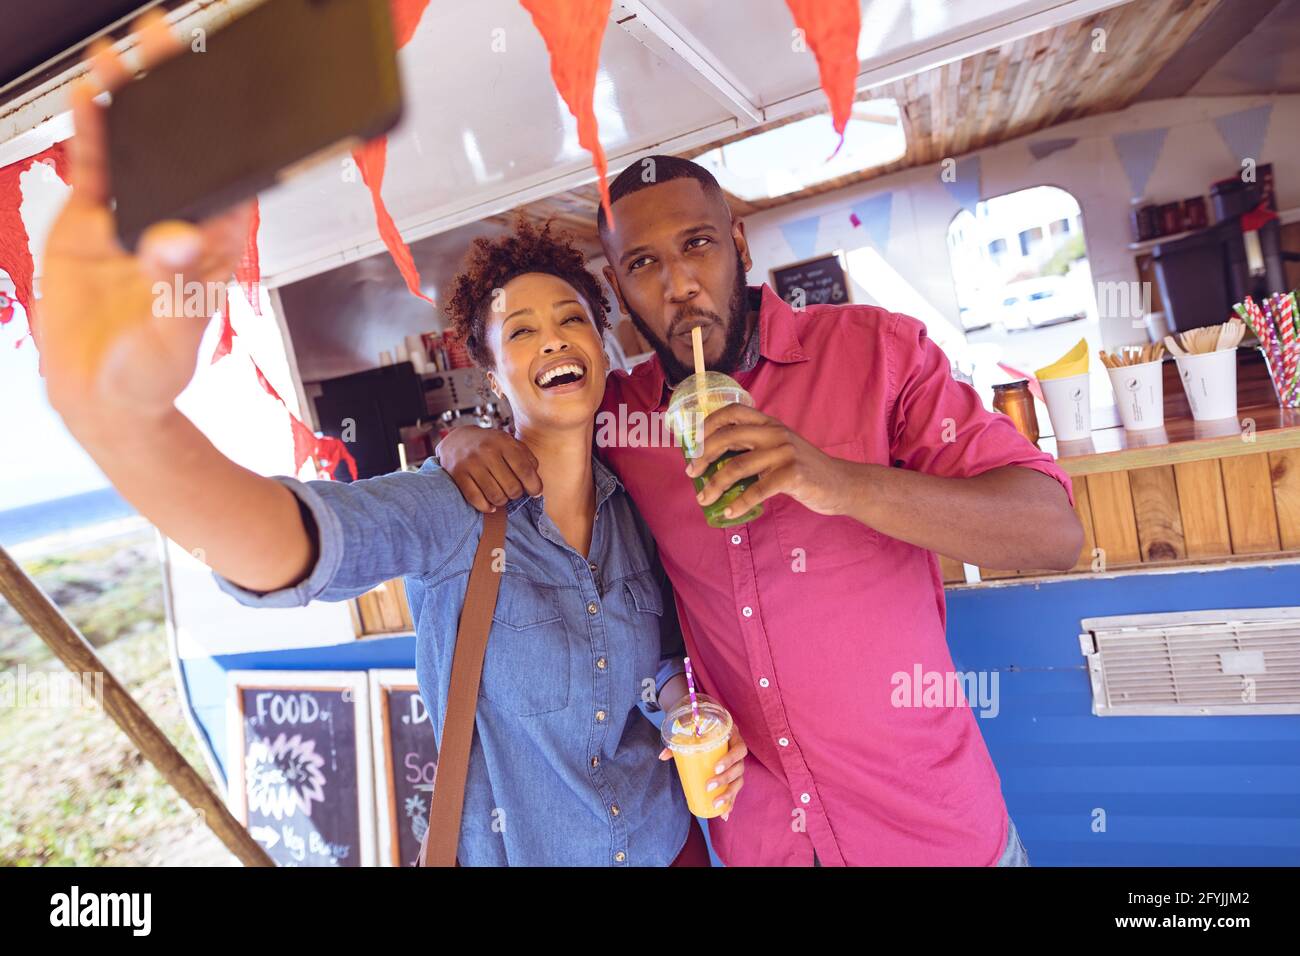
(251, 428)
(1194, 155)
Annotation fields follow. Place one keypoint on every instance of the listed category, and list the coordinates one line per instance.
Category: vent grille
(1198, 663)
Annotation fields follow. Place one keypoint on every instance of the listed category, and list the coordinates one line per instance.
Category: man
(869, 458)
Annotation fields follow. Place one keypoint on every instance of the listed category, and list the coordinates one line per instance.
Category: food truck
(1019, 175)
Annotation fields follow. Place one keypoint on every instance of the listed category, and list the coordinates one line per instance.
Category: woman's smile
(562, 374)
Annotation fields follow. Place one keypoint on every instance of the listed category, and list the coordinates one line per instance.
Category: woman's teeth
(553, 373)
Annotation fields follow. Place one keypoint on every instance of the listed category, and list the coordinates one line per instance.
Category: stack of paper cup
(1139, 394)
(1210, 381)
(1069, 406)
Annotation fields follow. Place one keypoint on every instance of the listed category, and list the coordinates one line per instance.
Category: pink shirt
(799, 622)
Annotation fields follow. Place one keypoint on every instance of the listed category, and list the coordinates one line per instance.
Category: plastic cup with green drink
(694, 400)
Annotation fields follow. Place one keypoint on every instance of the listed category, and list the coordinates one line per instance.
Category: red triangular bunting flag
(227, 341)
(573, 30)
(406, 17)
(325, 452)
(15, 253)
(267, 386)
(373, 157)
(371, 160)
(248, 271)
(831, 28)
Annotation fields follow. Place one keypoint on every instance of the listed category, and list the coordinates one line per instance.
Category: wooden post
(78, 656)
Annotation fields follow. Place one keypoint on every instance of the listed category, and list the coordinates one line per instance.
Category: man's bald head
(652, 170)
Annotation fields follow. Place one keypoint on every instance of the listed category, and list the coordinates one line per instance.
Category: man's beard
(738, 311)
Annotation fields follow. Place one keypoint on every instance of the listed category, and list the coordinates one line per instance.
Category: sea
(44, 518)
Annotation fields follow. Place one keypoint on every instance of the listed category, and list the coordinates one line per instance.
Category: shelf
(1150, 244)
(1285, 217)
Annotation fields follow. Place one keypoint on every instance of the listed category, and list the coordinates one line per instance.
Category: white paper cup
(1069, 406)
(1210, 381)
(1139, 394)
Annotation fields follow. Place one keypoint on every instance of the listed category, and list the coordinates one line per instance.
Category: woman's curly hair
(491, 263)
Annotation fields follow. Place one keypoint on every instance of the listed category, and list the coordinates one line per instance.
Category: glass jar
(1014, 400)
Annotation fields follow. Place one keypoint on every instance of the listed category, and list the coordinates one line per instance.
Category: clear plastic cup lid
(694, 399)
(715, 726)
(714, 389)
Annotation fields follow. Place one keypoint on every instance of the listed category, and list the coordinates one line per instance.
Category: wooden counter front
(1186, 493)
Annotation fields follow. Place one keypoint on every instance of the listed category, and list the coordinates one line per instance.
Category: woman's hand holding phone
(115, 355)
(112, 348)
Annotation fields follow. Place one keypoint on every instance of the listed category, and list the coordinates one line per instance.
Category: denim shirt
(564, 767)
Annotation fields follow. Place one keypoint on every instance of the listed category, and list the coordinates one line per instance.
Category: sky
(39, 460)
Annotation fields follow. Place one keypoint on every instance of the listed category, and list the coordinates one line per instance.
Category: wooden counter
(1254, 431)
(1187, 493)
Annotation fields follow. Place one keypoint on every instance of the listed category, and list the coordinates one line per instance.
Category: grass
(107, 590)
(75, 791)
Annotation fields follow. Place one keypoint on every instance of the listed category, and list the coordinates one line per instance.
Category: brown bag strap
(443, 835)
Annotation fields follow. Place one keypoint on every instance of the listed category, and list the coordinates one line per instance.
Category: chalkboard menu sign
(819, 281)
(300, 765)
(406, 760)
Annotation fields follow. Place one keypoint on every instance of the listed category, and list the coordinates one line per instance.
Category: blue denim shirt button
(600, 715)
(614, 809)
(591, 607)
(600, 662)
(620, 856)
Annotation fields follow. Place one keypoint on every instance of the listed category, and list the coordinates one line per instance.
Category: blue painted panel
(1175, 791)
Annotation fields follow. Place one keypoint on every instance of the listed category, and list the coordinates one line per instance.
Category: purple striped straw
(690, 688)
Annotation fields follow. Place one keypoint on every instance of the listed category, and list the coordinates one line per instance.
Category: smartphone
(287, 83)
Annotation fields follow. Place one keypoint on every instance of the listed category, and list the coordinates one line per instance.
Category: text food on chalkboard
(300, 765)
(819, 281)
(406, 761)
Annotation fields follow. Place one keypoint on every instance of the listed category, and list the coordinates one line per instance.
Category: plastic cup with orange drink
(697, 746)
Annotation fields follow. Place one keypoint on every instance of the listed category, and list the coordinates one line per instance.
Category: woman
(563, 769)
